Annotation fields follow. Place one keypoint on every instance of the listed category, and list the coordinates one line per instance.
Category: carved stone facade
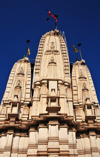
(61, 117)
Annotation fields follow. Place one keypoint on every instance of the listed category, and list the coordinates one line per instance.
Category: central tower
(51, 74)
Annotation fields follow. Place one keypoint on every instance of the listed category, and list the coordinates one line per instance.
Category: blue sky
(23, 19)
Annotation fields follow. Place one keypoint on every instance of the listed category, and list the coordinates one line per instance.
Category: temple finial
(28, 50)
(54, 16)
(79, 45)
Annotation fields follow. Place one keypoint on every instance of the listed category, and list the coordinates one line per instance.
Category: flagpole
(55, 25)
(79, 45)
(27, 47)
(54, 16)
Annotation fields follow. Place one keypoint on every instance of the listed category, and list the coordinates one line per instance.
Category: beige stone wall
(50, 139)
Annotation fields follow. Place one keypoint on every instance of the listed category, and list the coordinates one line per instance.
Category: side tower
(18, 91)
(86, 111)
(84, 95)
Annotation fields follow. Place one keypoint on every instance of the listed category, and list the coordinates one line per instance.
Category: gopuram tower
(62, 115)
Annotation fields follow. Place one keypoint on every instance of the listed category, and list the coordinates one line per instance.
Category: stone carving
(52, 49)
(84, 86)
(48, 52)
(52, 68)
(52, 59)
(15, 97)
(52, 62)
(17, 91)
(19, 83)
(53, 92)
(81, 73)
(52, 45)
(21, 71)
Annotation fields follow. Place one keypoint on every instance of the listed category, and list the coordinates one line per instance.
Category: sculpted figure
(18, 83)
(53, 92)
(52, 45)
(17, 91)
(21, 70)
(81, 73)
(84, 86)
(52, 59)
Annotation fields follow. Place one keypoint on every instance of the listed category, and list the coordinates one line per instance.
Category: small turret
(84, 95)
(18, 91)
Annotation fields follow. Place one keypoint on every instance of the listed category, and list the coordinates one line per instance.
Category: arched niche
(17, 91)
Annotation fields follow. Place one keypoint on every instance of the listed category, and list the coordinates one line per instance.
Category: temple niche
(57, 114)
(17, 91)
(52, 46)
(52, 68)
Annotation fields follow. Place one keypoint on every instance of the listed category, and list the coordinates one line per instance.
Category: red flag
(52, 16)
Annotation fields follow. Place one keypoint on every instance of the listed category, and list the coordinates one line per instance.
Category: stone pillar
(43, 96)
(35, 105)
(98, 143)
(42, 140)
(25, 114)
(94, 148)
(80, 99)
(70, 103)
(2, 113)
(53, 139)
(35, 109)
(15, 145)
(8, 145)
(62, 104)
(72, 143)
(97, 112)
(23, 145)
(87, 146)
(63, 140)
(3, 140)
(80, 146)
(32, 146)
(78, 112)
(62, 97)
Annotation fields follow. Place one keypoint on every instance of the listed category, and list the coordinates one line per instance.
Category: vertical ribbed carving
(39, 57)
(64, 52)
(94, 96)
